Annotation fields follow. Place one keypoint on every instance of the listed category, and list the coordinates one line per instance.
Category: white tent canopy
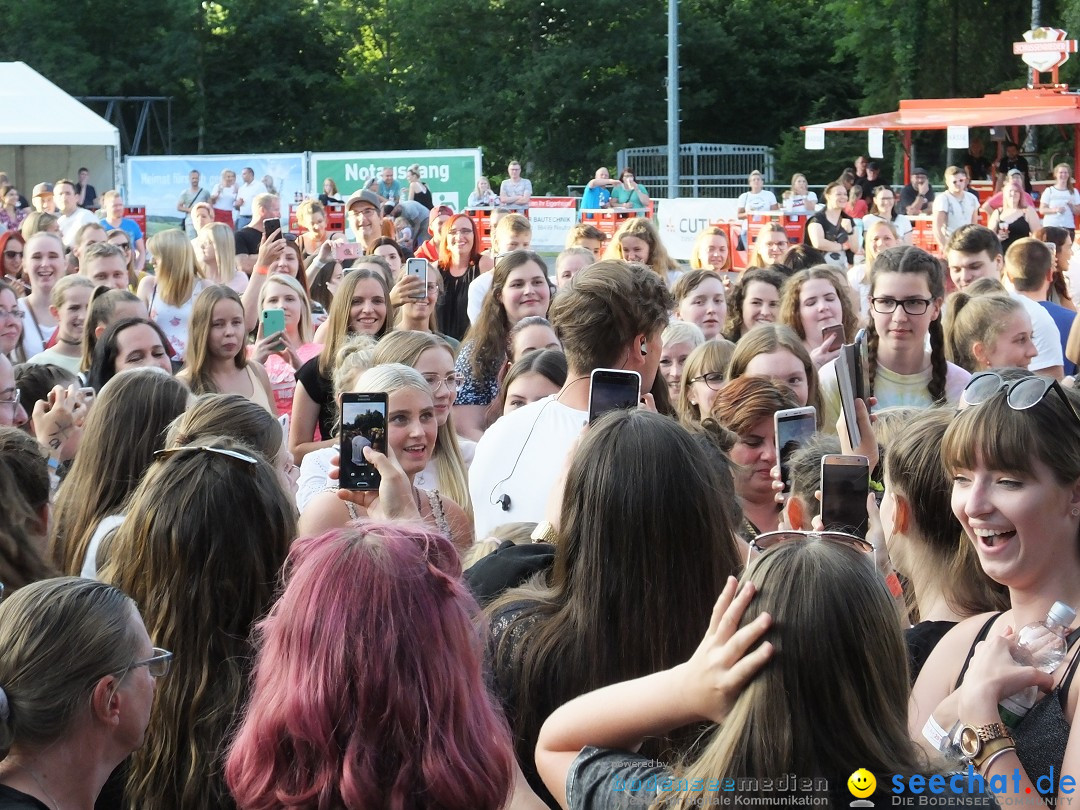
(51, 135)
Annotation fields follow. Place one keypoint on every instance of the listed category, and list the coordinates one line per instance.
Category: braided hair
(908, 259)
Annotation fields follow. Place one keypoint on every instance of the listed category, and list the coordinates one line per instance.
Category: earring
(1076, 511)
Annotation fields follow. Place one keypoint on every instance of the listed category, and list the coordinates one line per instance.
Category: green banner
(450, 173)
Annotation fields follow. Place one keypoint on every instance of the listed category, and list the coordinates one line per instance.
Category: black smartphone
(793, 426)
(611, 388)
(363, 424)
(269, 226)
(845, 485)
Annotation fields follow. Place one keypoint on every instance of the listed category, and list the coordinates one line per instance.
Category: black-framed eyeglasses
(912, 306)
(1021, 394)
(714, 379)
(202, 448)
(763, 542)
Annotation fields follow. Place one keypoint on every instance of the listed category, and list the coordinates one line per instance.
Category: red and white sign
(1045, 48)
(551, 219)
(553, 202)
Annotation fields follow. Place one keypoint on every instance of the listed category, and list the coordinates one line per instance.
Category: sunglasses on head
(763, 542)
(1020, 395)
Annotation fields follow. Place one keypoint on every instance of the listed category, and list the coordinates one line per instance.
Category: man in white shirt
(757, 199)
(955, 208)
(245, 196)
(515, 191)
(974, 252)
(610, 316)
(71, 216)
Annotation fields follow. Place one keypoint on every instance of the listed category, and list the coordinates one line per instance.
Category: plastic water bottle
(1042, 645)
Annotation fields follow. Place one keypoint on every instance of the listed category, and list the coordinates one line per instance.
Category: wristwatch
(979, 743)
(544, 533)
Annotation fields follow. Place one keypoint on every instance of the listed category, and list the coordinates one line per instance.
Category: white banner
(680, 221)
(551, 219)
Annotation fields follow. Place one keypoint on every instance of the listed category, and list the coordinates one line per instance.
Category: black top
(91, 195)
(326, 199)
(247, 241)
(507, 567)
(980, 167)
(1042, 733)
(921, 640)
(452, 309)
(424, 197)
(321, 391)
(833, 232)
(1019, 162)
(908, 194)
(11, 799)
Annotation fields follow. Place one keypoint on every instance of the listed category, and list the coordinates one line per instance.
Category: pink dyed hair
(369, 687)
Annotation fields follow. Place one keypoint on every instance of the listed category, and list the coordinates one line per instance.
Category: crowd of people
(535, 608)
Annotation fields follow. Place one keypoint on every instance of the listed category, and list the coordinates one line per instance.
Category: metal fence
(705, 169)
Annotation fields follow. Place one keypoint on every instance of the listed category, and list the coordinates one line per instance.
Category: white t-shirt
(1045, 335)
(799, 203)
(34, 338)
(53, 357)
(891, 389)
(521, 456)
(957, 212)
(247, 192)
(1060, 198)
(763, 200)
(69, 225)
(105, 527)
(901, 223)
(478, 290)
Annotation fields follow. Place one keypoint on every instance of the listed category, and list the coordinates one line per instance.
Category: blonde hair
(176, 269)
(222, 238)
(352, 359)
(640, 227)
(450, 468)
(59, 292)
(708, 233)
(971, 319)
(711, 356)
(682, 332)
(304, 327)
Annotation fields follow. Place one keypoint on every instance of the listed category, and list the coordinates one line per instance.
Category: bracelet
(262, 270)
(990, 761)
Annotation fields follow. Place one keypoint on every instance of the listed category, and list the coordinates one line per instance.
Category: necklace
(566, 387)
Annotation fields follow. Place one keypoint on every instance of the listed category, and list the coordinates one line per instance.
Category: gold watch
(544, 533)
(979, 743)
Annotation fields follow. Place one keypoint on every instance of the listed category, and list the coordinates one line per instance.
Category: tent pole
(1076, 146)
(907, 155)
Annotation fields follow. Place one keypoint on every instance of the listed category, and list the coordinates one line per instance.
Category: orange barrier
(794, 225)
(137, 213)
(733, 230)
(608, 220)
(923, 234)
(481, 219)
(335, 219)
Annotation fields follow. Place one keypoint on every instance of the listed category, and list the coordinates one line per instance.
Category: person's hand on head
(728, 656)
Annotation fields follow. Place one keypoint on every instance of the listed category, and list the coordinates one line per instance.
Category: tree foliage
(559, 85)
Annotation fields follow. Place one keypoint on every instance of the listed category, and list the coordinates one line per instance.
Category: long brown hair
(338, 324)
(124, 428)
(634, 540)
(198, 355)
(791, 300)
(488, 336)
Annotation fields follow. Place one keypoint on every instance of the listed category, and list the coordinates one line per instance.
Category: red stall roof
(1012, 108)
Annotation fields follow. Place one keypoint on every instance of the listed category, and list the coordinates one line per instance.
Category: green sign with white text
(451, 174)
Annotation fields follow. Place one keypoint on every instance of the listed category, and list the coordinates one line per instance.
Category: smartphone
(861, 369)
(363, 424)
(612, 388)
(343, 251)
(269, 226)
(418, 268)
(273, 321)
(793, 427)
(845, 484)
(836, 332)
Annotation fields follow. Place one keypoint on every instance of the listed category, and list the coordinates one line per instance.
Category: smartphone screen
(269, 226)
(612, 388)
(363, 424)
(845, 484)
(418, 268)
(793, 427)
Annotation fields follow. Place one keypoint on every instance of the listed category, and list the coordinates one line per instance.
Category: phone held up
(363, 424)
(612, 388)
(418, 268)
(269, 227)
(793, 427)
(845, 485)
